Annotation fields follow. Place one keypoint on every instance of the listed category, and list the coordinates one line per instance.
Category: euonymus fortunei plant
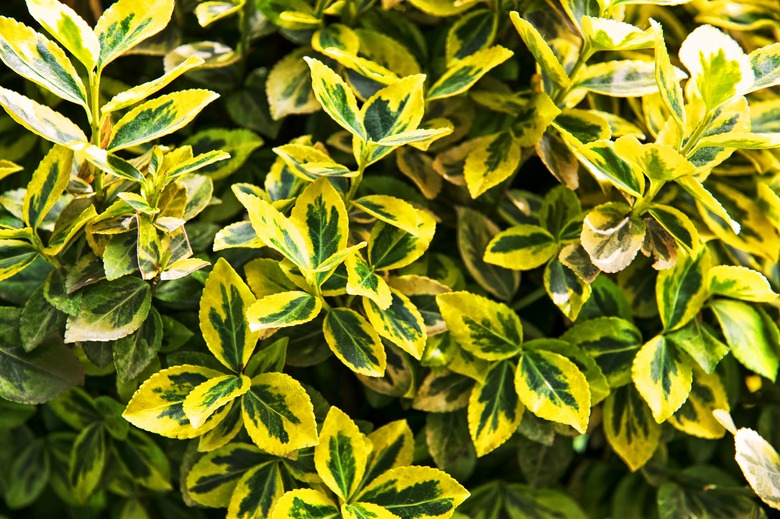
(425, 297)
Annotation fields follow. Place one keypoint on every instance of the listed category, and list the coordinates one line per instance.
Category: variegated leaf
(760, 463)
(305, 503)
(493, 159)
(289, 87)
(612, 236)
(463, 73)
(695, 416)
(208, 397)
(47, 185)
(751, 335)
(223, 306)
(68, 28)
(682, 290)
(87, 461)
(341, 457)
(399, 323)
(663, 376)
(391, 210)
(488, 329)
(766, 69)
(282, 309)
(213, 478)
(40, 119)
(392, 446)
(494, 409)
(604, 34)
(394, 109)
(566, 288)
(542, 53)
(354, 342)
(443, 392)
(740, 283)
(552, 387)
(362, 281)
(265, 277)
(698, 340)
(522, 247)
(158, 405)
(625, 78)
(391, 248)
(668, 84)
(278, 414)
(606, 164)
(629, 426)
(470, 33)
(127, 23)
(336, 98)
(256, 492)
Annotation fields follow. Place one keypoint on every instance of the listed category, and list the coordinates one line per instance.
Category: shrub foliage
(397, 259)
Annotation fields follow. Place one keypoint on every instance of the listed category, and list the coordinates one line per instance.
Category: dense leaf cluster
(399, 259)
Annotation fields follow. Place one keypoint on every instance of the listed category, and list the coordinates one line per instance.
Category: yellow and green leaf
(158, 117)
(47, 185)
(668, 84)
(391, 248)
(462, 74)
(394, 109)
(682, 290)
(624, 78)
(158, 405)
(355, 342)
(68, 28)
(362, 281)
(278, 414)
(213, 478)
(566, 288)
(695, 416)
(127, 23)
(283, 309)
(305, 503)
(662, 374)
(470, 33)
(87, 461)
(399, 323)
(341, 457)
(227, 429)
(612, 236)
(443, 391)
(309, 162)
(751, 335)
(494, 409)
(607, 164)
(698, 340)
(760, 463)
(265, 277)
(389, 209)
(552, 387)
(766, 69)
(740, 283)
(604, 34)
(40, 119)
(392, 446)
(522, 247)
(256, 492)
(488, 329)
(33, 56)
(493, 159)
(206, 398)
(629, 426)
(678, 225)
(336, 98)
(289, 87)
(225, 301)
(542, 53)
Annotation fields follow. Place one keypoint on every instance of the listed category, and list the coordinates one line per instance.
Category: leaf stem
(95, 124)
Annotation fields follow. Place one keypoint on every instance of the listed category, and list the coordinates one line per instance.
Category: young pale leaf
(604, 34)
(760, 463)
(668, 84)
(630, 428)
(488, 329)
(310, 162)
(158, 405)
(494, 409)
(522, 247)
(278, 414)
(140, 92)
(766, 69)
(68, 28)
(206, 398)
(354, 342)
(33, 56)
(40, 119)
(752, 336)
(305, 503)
(663, 377)
(336, 98)
(341, 457)
(283, 309)
(321, 217)
(494, 159)
(695, 416)
(87, 460)
(362, 281)
(543, 54)
(399, 323)
(225, 300)
(415, 492)
(211, 11)
(127, 23)
(47, 185)
(552, 387)
(158, 117)
(612, 236)
(720, 70)
(462, 74)
(740, 283)
(266, 278)
(256, 492)
(658, 161)
(110, 310)
(627, 78)
(682, 290)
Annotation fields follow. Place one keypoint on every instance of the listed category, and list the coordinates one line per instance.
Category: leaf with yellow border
(494, 409)
(629, 426)
(206, 398)
(127, 23)
(399, 323)
(336, 98)
(662, 374)
(695, 416)
(341, 457)
(355, 342)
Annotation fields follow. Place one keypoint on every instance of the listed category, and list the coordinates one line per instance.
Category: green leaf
(33, 56)
(524, 502)
(751, 335)
(720, 70)
(415, 492)
(695, 417)
(493, 160)
(462, 74)
(542, 53)
(522, 247)
(682, 290)
(612, 236)
(87, 461)
(226, 299)
(68, 28)
(447, 437)
(629, 426)
(399, 323)
(283, 309)
(239, 143)
(39, 321)
(265, 277)
(442, 392)
(474, 233)
(158, 405)
(740, 283)
(760, 463)
(278, 414)
(354, 342)
(494, 409)
(134, 353)
(110, 310)
(126, 24)
(552, 387)
(256, 491)
(158, 117)
(663, 376)
(209, 396)
(305, 503)
(698, 340)
(336, 98)
(28, 476)
(341, 457)
(488, 329)
(40, 119)
(15, 256)
(212, 480)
